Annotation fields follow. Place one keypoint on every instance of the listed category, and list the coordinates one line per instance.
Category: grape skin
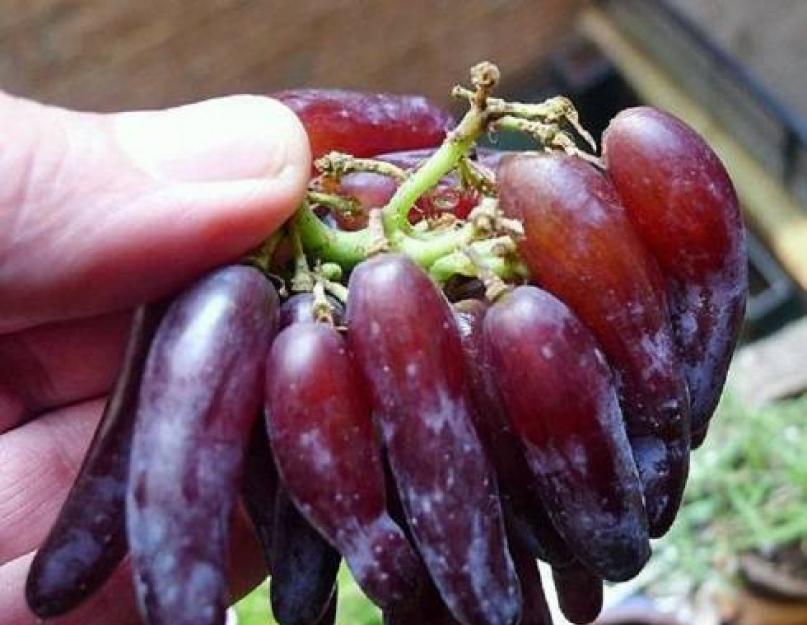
(303, 586)
(366, 124)
(402, 333)
(561, 401)
(680, 199)
(318, 417)
(299, 308)
(88, 539)
(579, 246)
(579, 592)
(304, 568)
(198, 400)
(259, 489)
(519, 496)
(536, 610)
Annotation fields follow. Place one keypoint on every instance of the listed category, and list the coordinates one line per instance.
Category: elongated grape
(580, 246)
(680, 199)
(304, 567)
(579, 592)
(536, 610)
(88, 539)
(303, 589)
(401, 330)
(322, 436)
(366, 124)
(520, 498)
(260, 488)
(199, 397)
(561, 401)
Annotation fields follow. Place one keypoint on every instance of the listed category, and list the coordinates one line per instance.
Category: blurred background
(734, 69)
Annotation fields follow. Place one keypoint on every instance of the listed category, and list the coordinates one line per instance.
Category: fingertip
(230, 138)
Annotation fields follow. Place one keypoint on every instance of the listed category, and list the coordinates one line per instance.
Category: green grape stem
(438, 250)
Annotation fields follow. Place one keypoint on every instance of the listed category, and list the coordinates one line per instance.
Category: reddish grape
(579, 245)
(366, 124)
(561, 401)
(88, 539)
(375, 190)
(370, 190)
(198, 400)
(579, 592)
(405, 340)
(303, 583)
(318, 416)
(304, 567)
(681, 201)
(446, 199)
(519, 496)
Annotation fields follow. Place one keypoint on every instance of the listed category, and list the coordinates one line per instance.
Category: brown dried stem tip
(484, 77)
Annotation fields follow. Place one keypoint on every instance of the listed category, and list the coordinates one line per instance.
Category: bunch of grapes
(450, 362)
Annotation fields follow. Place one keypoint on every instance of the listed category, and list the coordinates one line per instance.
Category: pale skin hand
(97, 214)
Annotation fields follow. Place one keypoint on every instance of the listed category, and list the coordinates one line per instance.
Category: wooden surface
(116, 54)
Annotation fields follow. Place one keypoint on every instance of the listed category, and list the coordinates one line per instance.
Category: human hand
(97, 214)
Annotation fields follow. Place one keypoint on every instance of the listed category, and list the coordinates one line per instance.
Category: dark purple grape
(535, 610)
(428, 610)
(681, 201)
(299, 308)
(199, 398)
(304, 567)
(403, 335)
(579, 244)
(579, 592)
(88, 539)
(329, 616)
(521, 500)
(561, 400)
(260, 488)
(325, 446)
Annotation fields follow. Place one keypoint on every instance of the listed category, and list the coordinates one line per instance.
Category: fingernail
(230, 138)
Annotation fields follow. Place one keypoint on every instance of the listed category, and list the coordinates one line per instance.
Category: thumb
(101, 212)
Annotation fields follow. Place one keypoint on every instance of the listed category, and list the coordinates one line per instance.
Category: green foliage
(747, 492)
